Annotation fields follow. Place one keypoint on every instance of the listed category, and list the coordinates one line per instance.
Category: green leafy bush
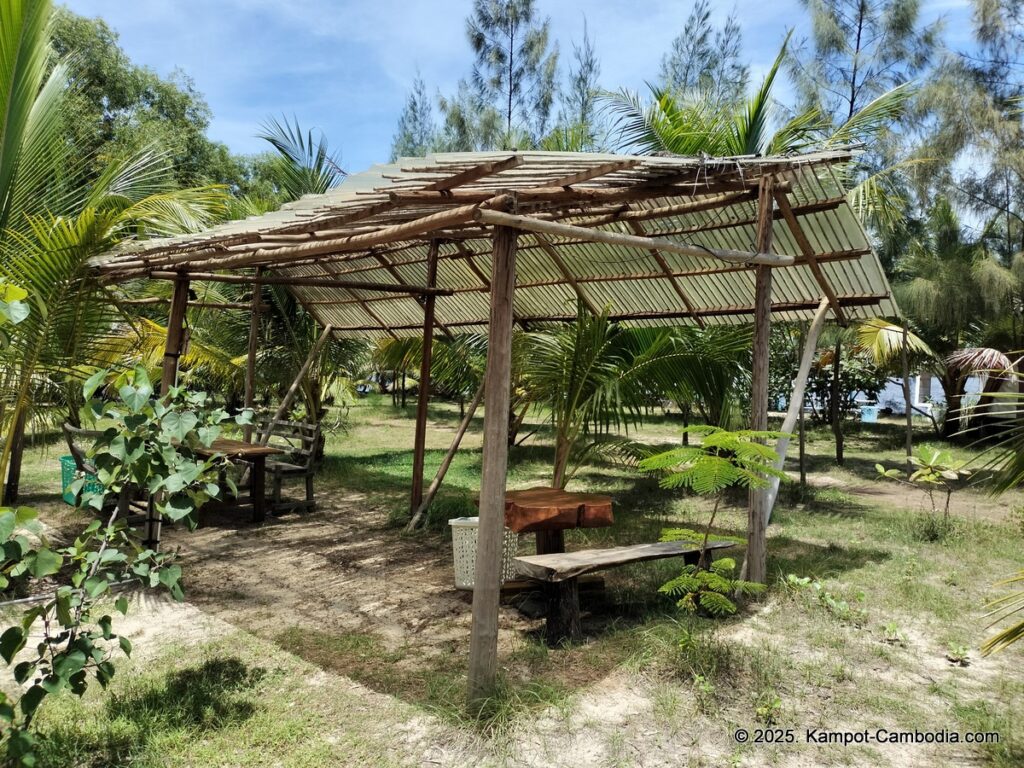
(148, 443)
(710, 590)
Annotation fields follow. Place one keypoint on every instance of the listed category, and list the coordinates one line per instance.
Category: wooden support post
(905, 362)
(483, 648)
(172, 352)
(796, 399)
(446, 462)
(756, 566)
(250, 360)
(175, 334)
(423, 400)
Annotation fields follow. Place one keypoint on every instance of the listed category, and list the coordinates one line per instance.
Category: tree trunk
(836, 410)
(562, 450)
(17, 452)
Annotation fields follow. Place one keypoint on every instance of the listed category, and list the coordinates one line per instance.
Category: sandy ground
(340, 570)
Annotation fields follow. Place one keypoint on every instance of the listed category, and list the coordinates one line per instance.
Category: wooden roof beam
(589, 174)
(553, 255)
(638, 229)
(732, 311)
(555, 229)
(531, 195)
(312, 282)
(782, 201)
(475, 173)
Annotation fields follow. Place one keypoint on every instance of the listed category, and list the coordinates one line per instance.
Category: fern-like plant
(723, 459)
(710, 590)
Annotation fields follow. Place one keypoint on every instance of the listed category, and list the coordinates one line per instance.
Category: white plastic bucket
(464, 533)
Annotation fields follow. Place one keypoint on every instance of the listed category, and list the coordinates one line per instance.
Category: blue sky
(345, 66)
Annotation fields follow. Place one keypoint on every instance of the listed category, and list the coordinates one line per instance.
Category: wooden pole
(905, 360)
(483, 649)
(803, 452)
(312, 282)
(175, 334)
(423, 400)
(289, 396)
(796, 400)
(250, 360)
(530, 224)
(169, 375)
(446, 462)
(756, 566)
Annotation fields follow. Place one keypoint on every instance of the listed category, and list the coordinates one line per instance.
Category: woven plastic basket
(68, 472)
(464, 534)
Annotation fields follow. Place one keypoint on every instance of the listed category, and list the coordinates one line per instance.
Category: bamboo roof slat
(659, 240)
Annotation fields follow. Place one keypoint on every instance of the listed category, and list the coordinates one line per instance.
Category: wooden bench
(560, 572)
(301, 450)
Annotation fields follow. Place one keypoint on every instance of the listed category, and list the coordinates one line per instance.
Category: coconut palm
(54, 217)
(694, 124)
(944, 284)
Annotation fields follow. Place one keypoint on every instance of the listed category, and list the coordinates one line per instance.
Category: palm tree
(595, 376)
(944, 284)
(694, 124)
(54, 218)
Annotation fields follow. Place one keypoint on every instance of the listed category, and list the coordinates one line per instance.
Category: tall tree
(515, 65)
(859, 50)
(415, 134)
(578, 113)
(978, 128)
(705, 58)
(117, 107)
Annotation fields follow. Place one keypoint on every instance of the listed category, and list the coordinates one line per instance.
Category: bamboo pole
(289, 396)
(796, 400)
(215, 258)
(483, 649)
(446, 462)
(423, 400)
(557, 229)
(314, 282)
(756, 565)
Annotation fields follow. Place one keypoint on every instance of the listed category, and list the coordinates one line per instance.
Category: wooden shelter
(481, 242)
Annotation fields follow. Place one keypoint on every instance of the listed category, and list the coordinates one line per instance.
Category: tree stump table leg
(563, 623)
(564, 613)
(258, 489)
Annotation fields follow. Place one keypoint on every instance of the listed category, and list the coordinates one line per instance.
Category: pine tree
(416, 133)
(703, 58)
(578, 116)
(859, 50)
(515, 66)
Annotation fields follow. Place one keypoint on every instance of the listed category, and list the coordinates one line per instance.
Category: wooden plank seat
(560, 572)
(301, 447)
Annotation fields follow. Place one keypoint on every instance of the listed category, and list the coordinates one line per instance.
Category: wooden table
(255, 456)
(548, 512)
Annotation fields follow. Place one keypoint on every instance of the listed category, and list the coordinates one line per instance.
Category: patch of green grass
(235, 701)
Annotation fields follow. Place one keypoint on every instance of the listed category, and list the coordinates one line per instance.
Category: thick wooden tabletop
(239, 449)
(548, 509)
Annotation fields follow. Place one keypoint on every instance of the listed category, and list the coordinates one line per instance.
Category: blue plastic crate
(68, 473)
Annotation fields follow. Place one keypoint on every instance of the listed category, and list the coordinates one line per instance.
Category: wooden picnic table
(253, 454)
(548, 512)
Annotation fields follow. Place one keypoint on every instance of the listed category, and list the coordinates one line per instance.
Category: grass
(865, 646)
(233, 701)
